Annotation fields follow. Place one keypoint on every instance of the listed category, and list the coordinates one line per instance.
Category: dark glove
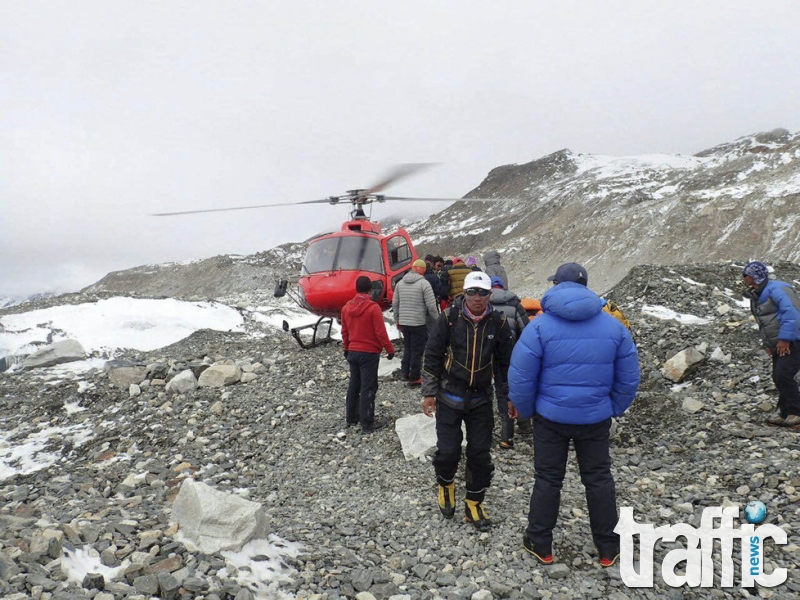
(346, 352)
(390, 356)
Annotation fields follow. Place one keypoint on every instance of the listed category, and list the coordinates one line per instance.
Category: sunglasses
(481, 292)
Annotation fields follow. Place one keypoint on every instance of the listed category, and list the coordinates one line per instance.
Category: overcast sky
(110, 111)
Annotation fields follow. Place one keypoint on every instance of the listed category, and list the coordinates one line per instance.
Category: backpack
(616, 312)
(532, 306)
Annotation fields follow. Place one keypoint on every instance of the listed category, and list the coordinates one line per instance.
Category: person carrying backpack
(413, 303)
(493, 267)
(468, 350)
(509, 304)
(457, 273)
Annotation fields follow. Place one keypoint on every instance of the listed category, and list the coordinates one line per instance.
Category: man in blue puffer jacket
(573, 369)
(776, 308)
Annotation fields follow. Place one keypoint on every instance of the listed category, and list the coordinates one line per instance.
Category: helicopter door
(399, 254)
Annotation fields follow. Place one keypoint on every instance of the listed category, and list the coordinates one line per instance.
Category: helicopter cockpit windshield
(352, 253)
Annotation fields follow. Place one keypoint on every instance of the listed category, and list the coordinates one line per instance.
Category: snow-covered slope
(736, 200)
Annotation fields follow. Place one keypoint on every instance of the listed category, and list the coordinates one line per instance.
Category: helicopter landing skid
(320, 334)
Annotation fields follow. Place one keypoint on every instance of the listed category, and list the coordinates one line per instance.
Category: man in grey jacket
(412, 305)
(493, 267)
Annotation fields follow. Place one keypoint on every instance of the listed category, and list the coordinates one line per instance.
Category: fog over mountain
(735, 201)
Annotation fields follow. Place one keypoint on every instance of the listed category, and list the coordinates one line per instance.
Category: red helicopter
(335, 260)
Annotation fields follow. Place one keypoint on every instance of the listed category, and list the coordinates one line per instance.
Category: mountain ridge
(608, 213)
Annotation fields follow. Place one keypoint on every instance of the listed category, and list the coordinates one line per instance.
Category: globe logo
(755, 512)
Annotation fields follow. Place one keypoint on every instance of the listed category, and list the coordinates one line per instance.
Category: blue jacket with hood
(574, 364)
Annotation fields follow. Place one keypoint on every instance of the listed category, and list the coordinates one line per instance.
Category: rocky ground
(367, 519)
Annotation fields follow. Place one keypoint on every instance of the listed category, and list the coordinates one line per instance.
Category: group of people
(569, 372)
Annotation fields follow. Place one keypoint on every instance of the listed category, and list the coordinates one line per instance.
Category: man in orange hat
(413, 303)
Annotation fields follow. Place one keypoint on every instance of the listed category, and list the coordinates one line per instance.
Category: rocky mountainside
(219, 277)
(738, 200)
(366, 519)
(733, 201)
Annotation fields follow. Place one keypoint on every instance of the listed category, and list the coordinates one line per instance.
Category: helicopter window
(351, 253)
(399, 252)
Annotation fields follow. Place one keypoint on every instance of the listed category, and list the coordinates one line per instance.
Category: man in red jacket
(364, 336)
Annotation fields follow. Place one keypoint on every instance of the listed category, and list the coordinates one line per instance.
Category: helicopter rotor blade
(209, 210)
(403, 198)
(398, 172)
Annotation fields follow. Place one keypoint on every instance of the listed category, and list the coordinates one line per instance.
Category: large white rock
(720, 356)
(220, 376)
(123, 377)
(691, 405)
(210, 520)
(676, 367)
(55, 354)
(183, 383)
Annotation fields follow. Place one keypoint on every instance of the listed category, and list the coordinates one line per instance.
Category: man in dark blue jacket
(776, 308)
(573, 369)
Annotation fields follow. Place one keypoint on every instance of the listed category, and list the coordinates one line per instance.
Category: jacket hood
(502, 296)
(360, 304)
(412, 277)
(571, 301)
(491, 258)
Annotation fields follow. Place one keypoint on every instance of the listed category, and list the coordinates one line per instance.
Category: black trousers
(551, 448)
(414, 339)
(784, 370)
(479, 421)
(362, 387)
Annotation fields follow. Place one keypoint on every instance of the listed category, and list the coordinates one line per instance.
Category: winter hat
(419, 264)
(497, 282)
(477, 279)
(570, 272)
(757, 270)
(457, 260)
(472, 261)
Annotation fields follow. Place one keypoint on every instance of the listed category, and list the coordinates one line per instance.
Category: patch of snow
(680, 386)
(604, 167)
(783, 188)
(28, 454)
(140, 324)
(264, 576)
(78, 563)
(667, 314)
(73, 407)
(692, 281)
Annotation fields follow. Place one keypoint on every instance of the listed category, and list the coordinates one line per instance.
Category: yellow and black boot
(476, 514)
(447, 500)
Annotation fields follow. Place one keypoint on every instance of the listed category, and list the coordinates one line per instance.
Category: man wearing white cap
(466, 340)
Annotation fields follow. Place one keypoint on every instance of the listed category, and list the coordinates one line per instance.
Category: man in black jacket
(457, 386)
